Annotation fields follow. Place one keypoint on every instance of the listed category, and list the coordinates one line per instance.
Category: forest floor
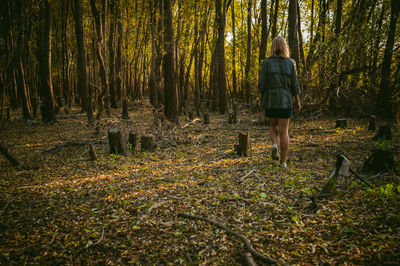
(59, 207)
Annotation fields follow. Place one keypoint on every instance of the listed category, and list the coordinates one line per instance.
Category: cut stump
(341, 123)
(372, 123)
(133, 140)
(243, 149)
(191, 116)
(92, 152)
(115, 141)
(384, 133)
(206, 118)
(380, 161)
(148, 143)
(125, 112)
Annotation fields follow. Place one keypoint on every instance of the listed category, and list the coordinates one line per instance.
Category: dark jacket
(278, 83)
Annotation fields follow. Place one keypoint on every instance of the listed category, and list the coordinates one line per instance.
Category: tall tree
(82, 64)
(220, 12)
(46, 88)
(292, 33)
(171, 90)
(384, 100)
(103, 98)
(275, 21)
(264, 31)
(248, 54)
(234, 85)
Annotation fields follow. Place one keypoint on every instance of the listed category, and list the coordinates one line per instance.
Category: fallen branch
(246, 242)
(74, 143)
(9, 157)
(356, 175)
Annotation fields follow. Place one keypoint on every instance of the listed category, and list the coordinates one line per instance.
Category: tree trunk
(234, 85)
(46, 88)
(248, 54)
(111, 53)
(264, 31)
(292, 34)
(171, 93)
(220, 56)
(384, 99)
(82, 73)
(275, 21)
(103, 98)
(196, 62)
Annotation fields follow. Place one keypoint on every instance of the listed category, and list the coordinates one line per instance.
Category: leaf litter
(61, 208)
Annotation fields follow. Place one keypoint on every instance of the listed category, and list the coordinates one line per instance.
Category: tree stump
(148, 143)
(234, 119)
(9, 113)
(384, 133)
(380, 161)
(133, 140)
(341, 123)
(243, 149)
(125, 112)
(191, 116)
(230, 119)
(372, 123)
(206, 119)
(92, 152)
(115, 141)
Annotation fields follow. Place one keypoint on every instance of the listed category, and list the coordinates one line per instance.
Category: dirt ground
(59, 207)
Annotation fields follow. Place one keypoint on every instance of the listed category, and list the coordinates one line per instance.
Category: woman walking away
(277, 86)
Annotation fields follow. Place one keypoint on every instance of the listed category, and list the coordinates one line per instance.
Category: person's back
(277, 86)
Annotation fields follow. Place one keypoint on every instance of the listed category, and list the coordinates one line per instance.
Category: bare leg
(273, 130)
(283, 129)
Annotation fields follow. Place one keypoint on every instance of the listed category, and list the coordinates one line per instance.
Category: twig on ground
(246, 175)
(246, 242)
(365, 182)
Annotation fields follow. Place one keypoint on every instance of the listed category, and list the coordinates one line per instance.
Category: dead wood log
(243, 149)
(92, 152)
(133, 140)
(9, 157)
(206, 119)
(148, 143)
(245, 241)
(384, 133)
(72, 144)
(372, 123)
(115, 141)
(341, 123)
(380, 161)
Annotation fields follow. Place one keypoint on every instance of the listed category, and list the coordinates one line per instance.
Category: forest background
(98, 54)
(71, 70)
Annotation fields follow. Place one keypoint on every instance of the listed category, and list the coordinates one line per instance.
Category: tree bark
(384, 99)
(46, 90)
(171, 93)
(220, 8)
(82, 73)
(103, 98)
(264, 31)
(292, 34)
(275, 21)
(234, 85)
(248, 54)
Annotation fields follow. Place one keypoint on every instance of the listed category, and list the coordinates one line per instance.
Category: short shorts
(278, 113)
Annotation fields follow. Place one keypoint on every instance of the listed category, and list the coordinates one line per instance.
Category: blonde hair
(279, 47)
